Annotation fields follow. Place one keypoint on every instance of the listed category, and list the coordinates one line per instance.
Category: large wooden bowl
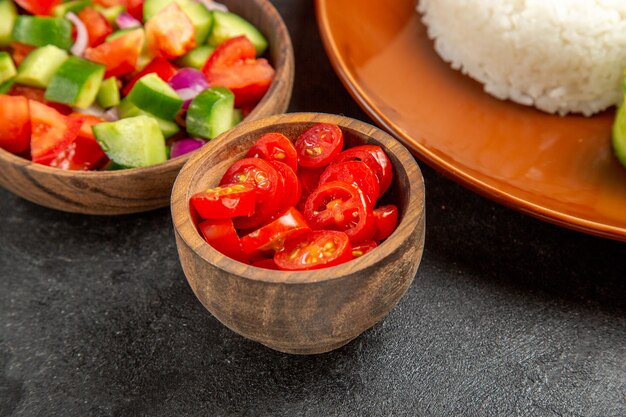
(300, 312)
(143, 189)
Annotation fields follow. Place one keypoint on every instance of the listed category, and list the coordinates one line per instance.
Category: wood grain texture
(300, 312)
(143, 189)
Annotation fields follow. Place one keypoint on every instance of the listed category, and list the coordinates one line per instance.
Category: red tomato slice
(109, 3)
(159, 66)
(83, 154)
(314, 250)
(309, 180)
(293, 189)
(337, 205)
(38, 7)
(267, 182)
(222, 236)
(225, 202)
(37, 94)
(170, 33)
(356, 173)
(135, 8)
(15, 126)
(51, 132)
(273, 235)
(386, 219)
(98, 27)
(266, 264)
(375, 158)
(319, 145)
(87, 122)
(363, 248)
(275, 147)
(120, 54)
(19, 51)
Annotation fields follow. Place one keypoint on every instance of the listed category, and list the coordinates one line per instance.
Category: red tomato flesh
(386, 220)
(170, 33)
(314, 250)
(225, 202)
(15, 126)
(273, 235)
(119, 55)
(98, 27)
(51, 132)
(376, 158)
(222, 236)
(266, 264)
(275, 147)
(84, 153)
(293, 189)
(363, 248)
(319, 145)
(19, 51)
(355, 173)
(159, 66)
(37, 94)
(38, 7)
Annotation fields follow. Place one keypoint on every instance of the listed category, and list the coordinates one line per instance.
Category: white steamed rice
(560, 56)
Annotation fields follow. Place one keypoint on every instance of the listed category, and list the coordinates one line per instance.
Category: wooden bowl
(143, 189)
(300, 312)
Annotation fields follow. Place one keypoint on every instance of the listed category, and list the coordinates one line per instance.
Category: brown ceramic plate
(560, 169)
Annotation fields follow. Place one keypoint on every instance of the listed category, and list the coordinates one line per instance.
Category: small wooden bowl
(143, 189)
(300, 312)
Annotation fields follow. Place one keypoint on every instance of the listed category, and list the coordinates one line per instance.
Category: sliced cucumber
(5, 87)
(127, 109)
(74, 6)
(133, 142)
(237, 117)
(619, 134)
(211, 113)
(40, 65)
(200, 16)
(196, 58)
(227, 25)
(153, 95)
(110, 13)
(109, 93)
(8, 13)
(42, 31)
(7, 67)
(76, 83)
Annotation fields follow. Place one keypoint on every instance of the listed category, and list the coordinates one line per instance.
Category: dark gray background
(507, 316)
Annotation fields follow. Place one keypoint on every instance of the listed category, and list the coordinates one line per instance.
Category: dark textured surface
(507, 316)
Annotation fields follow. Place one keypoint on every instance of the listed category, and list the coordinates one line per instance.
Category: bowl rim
(186, 230)
(284, 67)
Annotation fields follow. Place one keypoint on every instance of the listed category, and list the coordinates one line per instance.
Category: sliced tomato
(362, 248)
(135, 8)
(266, 264)
(267, 182)
(309, 180)
(233, 65)
(38, 7)
(376, 158)
(319, 145)
(15, 126)
(83, 154)
(386, 220)
(109, 3)
(275, 147)
(293, 189)
(159, 66)
(222, 236)
(88, 121)
(337, 205)
(170, 33)
(98, 27)
(51, 132)
(225, 202)
(19, 51)
(37, 94)
(272, 236)
(314, 250)
(119, 55)
(356, 173)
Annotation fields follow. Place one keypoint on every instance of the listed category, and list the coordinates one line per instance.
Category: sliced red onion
(82, 37)
(189, 78)
(213, 5)
(93, 110)
(187, 94)
(111, 115)
(184, 146)
(126, 21)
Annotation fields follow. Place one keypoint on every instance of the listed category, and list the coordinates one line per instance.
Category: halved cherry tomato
(119, 55)
(319, 145)
(376, 158)
(170, 33)
(266, 181)
(37, 94)
(314, 250)
(38, 7)
(293, 189)
(337, 205)
(356, 173)
(15, 126)
(272, 236)
(233, 65)
(275, 147)
(386, 219)
(309, 180)
(266, 264)
(51, 132)
(222, 236)
(363, 248)
(225, 202)
(159, 66)
(19, 51)
(98, 27)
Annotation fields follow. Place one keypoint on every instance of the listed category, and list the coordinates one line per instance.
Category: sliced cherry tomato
(356, 173)
(98, 27)
(119, 55)
(293, 189)
(15, 126)
(170, 33)
(38, 7)
(309, 180)
(225, 202)
(337, 205)
(386, 219)
(19, 51)
(376, 158)
(314, 250)
(222, 236)
(272, 236)
(51, 132)
(233, 65)
(275, 147)
(159, 66)
(319, 145)
(266, 264)
(267, 182)
(37, 94)
(363, 248)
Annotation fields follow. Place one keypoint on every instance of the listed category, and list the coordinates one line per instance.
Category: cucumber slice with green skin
(109, 93)
(5, 87)
(210, 113)
(75, 6)
(127, 109)
(228, 25)
(42, 31)
(8, 13)
(110, 13)
(76, 83)
(134, 142)
(200, 16)
(237, 117)
(619, 134)
(196, 58)
(153, 95)
(37, 69)
(7, 67)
